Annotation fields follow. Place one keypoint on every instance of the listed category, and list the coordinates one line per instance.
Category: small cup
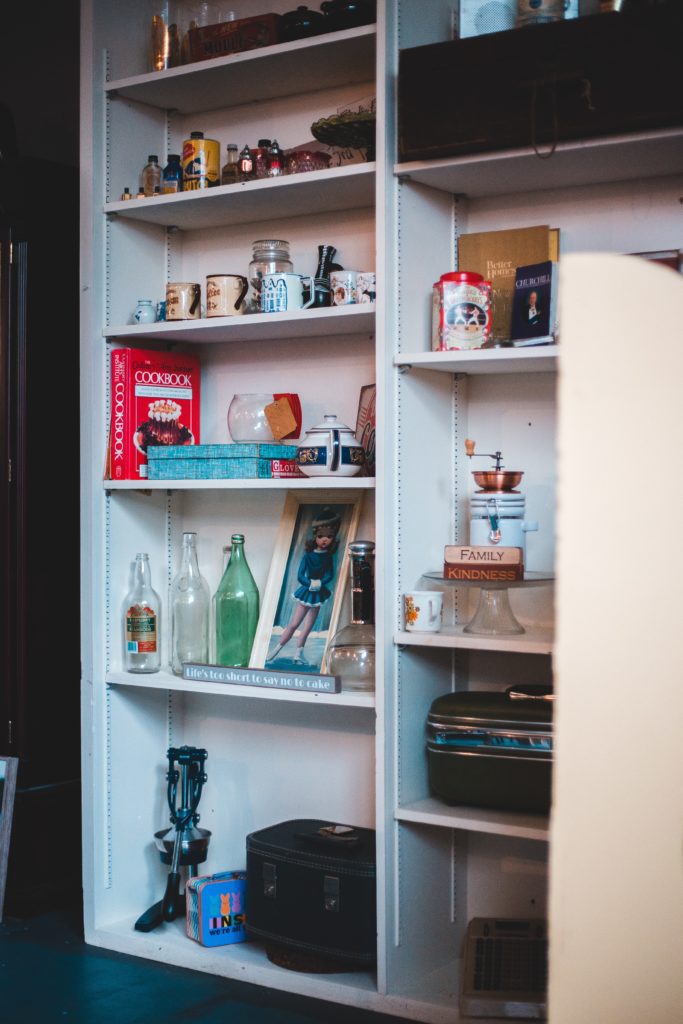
(422, 611)
(183, 301)
(343, 287)
(225, 294)
(366, 288)
(281, 292)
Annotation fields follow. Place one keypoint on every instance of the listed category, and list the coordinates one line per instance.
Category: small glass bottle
(126, 194)
(260, 155)
(230, 172)
(151, 175)
(270, 256)
(352, 650)
(142, 621)
(172, 177)
(190, 603)
(245, 165)
(236, 609)
(276, 160)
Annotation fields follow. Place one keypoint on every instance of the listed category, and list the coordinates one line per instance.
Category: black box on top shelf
(601, 75)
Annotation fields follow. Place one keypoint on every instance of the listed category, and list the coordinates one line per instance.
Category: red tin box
(233, 36)
(154, 400)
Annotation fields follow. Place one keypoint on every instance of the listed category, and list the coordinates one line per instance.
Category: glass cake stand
(494, 616)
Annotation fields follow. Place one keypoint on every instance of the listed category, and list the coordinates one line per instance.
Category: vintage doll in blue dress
(316, 571)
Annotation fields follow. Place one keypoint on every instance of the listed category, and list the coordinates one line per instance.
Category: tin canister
(201, 162)
(465, 310)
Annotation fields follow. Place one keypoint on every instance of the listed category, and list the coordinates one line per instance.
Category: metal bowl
(497, 479)
(194, 846)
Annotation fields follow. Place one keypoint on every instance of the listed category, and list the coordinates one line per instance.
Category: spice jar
(271, 256)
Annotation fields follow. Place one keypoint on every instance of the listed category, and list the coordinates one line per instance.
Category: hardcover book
(496, 255)
(534, 304)
(154, 399)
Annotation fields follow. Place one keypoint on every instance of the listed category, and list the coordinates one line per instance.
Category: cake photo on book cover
(534, 304)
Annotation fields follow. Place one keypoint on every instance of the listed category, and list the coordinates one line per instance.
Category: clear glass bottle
(190, 603)
(236, 609)
(142, 621)
(230, 173)
(271, 256)
(151, 175)
(172, 177)
(352, 650)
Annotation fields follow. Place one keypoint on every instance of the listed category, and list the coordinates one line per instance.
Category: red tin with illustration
(464, 310)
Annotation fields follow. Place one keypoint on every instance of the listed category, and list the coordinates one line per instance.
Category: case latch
(331, 893)
(269, 880)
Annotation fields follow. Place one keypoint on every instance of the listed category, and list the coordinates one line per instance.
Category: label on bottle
(141, 630)
(169, 186)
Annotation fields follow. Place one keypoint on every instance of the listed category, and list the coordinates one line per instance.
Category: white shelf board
(475, 819)
(247, 961)
(271, 72)
(322, 484)
(299, 323)
(292, 195)
(542, 359)
(536, 640)
(168, 681)
(585, 162)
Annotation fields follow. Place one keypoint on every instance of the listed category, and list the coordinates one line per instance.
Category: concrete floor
(49, 975)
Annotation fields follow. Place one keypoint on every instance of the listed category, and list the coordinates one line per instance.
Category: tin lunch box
(492, 750)
(311, 889)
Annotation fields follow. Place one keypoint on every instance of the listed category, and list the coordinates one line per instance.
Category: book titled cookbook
(154, 400)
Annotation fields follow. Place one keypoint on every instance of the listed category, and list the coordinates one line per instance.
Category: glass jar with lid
(271, 256)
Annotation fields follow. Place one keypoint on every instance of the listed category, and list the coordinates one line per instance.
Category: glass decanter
(352, 650)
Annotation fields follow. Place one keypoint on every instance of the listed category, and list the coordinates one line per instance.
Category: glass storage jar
(271, 256)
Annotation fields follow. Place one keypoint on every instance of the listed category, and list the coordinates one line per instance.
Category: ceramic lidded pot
(343, 14)
(330, 449)
(300, 24)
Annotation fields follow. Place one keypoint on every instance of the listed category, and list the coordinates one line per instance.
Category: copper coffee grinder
(183, 844)
(497, 508)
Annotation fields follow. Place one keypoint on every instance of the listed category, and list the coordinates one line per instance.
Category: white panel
(506, 877)
(617, 886)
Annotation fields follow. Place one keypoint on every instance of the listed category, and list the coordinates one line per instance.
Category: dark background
(39, 405)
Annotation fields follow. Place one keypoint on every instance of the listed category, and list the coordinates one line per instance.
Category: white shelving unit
(350, 757)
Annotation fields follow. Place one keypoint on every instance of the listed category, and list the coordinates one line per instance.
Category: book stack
(481, 563)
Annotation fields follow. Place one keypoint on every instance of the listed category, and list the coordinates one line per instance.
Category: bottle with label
(230, 173)
(172, 177)
(236, 609)
(190, 603)
(142, 621)
(151, 175)
(352, 649)
(201, 162)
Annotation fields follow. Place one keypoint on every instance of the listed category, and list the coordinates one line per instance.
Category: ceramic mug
(183, 300)
(366, 288)
(225, 294)
(343, 287)
(282, 292)
(422, 611)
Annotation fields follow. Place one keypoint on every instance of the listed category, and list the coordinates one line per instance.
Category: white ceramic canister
(497, 519)
(330, 449)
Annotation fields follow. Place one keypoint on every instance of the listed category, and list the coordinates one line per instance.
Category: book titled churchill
(534, 304)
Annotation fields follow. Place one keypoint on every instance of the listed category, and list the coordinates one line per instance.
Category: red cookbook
(154, 399)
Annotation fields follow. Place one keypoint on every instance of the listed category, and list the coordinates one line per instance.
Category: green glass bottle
(236, 609)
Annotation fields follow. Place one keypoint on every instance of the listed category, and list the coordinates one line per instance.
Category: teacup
(282, 292)
(183, 300)
(343, 287)
(422, 611)
(366, 287)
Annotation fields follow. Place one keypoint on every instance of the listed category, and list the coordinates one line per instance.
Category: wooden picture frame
(291, 595)
(8, 785)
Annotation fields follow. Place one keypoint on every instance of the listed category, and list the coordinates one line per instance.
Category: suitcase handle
(326, 837)
(532, 693)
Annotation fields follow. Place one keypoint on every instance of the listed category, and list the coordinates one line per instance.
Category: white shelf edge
(167, 681)
(247, 961)
(135, 208)
(245, 57)
(536, 640)
(474, 819)
(264, 326)
(326, 483)
(543, 359)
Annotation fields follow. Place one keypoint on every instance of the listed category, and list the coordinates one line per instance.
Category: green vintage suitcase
(492, 750)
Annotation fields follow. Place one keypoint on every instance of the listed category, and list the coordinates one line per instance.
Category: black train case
(492, 749)
(311, 890)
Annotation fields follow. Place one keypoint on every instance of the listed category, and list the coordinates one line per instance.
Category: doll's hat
(328, 517)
